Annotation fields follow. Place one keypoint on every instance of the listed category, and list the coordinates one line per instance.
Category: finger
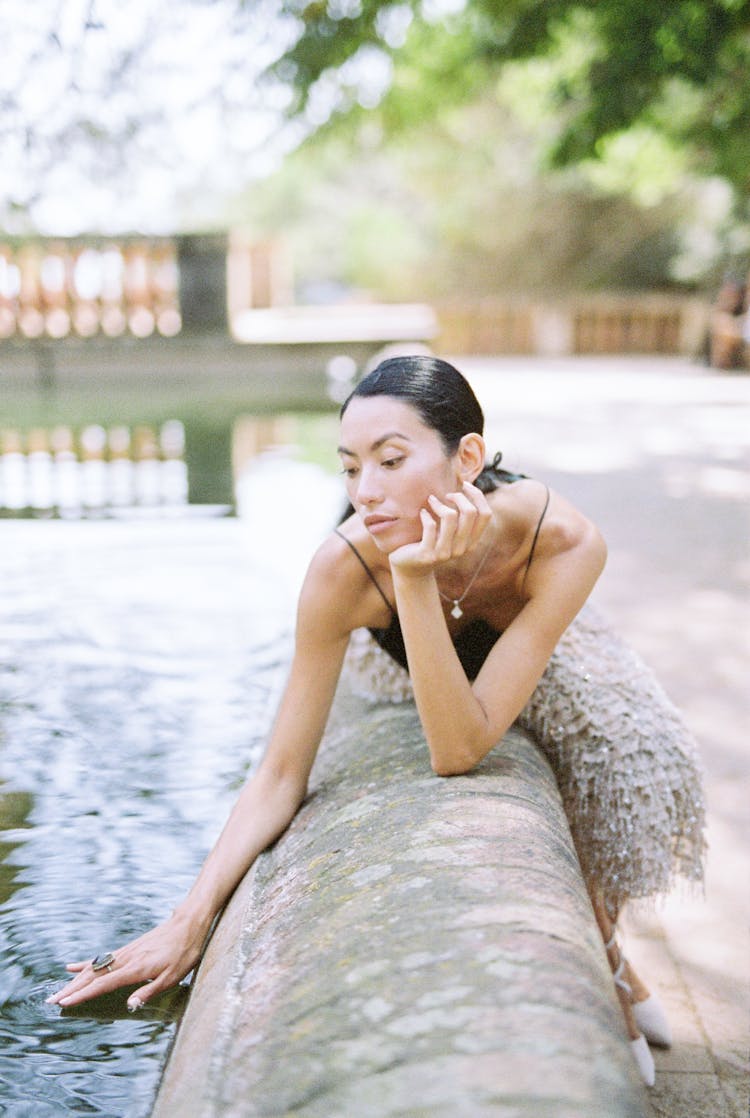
(93, 982)
(477, 498)
(482, 506)
(473, 490)
(83, 989)
(83, 963)
(76, 967)
(468, 517)
(429, 529)
(70, 987)
(86, 987)
(447, 523)
(141, 997)
(465, 527)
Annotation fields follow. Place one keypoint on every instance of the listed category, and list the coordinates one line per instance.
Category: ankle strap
(613, 941)
(619, 980)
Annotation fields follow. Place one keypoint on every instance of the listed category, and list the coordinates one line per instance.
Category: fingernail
(135, 1004)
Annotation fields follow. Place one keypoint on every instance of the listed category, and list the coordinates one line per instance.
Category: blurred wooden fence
(586, 324)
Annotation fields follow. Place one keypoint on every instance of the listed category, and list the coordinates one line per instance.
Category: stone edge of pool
(410, 945)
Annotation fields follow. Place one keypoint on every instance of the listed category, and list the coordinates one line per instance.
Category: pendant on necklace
(456, 611)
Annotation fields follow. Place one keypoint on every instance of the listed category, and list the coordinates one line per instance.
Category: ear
(470, 457)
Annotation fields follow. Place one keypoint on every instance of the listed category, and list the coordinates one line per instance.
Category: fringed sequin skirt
(626, 764)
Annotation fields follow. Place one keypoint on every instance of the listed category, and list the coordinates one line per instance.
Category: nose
(367, 491)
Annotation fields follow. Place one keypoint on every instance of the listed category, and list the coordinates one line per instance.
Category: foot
(644, 1059)
(652, 1021)
(645, 1019)
(639, 992)
(625, 995)
(643, 1010)
(638, 1043)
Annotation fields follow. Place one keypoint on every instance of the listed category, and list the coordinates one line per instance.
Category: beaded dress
(626, 764)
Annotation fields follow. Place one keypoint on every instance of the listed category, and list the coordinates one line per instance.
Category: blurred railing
(58, 289)
(137, 287)
(228, 286)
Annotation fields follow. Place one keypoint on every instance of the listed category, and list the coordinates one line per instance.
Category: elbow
(454, 765)
(463, 750)
(446, 771)
(599, 552)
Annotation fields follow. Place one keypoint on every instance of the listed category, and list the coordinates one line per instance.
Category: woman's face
(392, 462)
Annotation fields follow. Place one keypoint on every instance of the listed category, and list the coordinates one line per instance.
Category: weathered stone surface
(411, 946)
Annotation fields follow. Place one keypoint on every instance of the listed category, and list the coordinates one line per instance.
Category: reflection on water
(14, 808)
(96, 472)
(140, 664)
(93, 472)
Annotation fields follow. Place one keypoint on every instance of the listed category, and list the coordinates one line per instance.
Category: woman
(728, 343)
(464, 572)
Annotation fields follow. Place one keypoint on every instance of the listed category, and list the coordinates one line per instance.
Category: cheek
(436, 482)
(413, 498)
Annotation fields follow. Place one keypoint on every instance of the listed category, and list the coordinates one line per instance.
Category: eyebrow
(377, 444)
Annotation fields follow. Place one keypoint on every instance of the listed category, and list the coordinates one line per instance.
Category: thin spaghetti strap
(370, 575)
(536, 537)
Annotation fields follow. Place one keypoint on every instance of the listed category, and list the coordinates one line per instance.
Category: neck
(456, 577)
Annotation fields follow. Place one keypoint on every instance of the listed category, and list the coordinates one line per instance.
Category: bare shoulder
(336, 593)
(552, 533)
(568, 548)
(565, 528)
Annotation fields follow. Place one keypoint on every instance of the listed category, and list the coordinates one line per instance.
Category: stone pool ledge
(410, 946)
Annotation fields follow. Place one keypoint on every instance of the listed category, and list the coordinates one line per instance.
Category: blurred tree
(679, 67)
(458, 211)
(149, 115)
(114, 114)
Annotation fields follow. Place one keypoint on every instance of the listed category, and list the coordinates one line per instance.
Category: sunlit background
(490, 140)
(214, 214)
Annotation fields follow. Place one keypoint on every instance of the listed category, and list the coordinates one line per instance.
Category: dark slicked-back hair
(441, 396)
(434, 388)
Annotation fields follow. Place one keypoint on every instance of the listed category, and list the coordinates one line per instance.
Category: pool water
(140, 664)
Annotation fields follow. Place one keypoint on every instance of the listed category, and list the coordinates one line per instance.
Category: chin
(392, 541)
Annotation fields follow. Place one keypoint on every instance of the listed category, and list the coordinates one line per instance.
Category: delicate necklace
(457, 611)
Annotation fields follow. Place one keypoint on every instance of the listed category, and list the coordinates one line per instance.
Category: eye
(392, 463)
(349, 471)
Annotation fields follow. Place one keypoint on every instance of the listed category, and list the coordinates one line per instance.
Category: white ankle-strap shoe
(649, 1014)
(639, 1046)
(644, 1059)
(652, 1021)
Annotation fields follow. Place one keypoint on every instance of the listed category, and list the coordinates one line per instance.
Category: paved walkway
(658, 452)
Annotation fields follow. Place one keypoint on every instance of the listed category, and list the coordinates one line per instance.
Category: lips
(374, 523)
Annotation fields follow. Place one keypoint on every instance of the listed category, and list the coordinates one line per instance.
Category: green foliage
(679, 67)
(459, 211)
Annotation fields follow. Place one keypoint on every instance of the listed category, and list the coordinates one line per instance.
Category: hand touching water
(154, 962)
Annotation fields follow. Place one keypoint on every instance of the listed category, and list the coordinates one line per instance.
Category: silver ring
(103, 962)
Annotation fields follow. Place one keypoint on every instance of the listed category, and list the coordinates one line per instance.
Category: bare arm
(265, 807)
(463, 721)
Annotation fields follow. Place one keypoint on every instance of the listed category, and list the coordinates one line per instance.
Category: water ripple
(139, 667)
